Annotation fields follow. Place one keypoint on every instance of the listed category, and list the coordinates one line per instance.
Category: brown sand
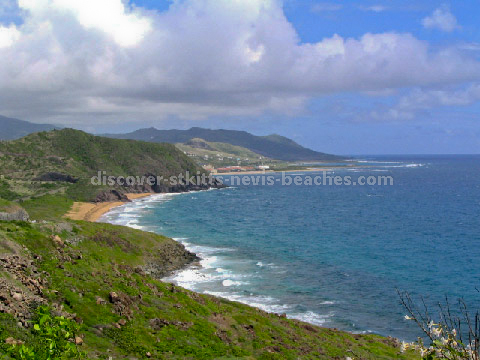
(92, 212)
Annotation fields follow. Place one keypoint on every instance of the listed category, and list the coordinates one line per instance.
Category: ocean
(332, 255)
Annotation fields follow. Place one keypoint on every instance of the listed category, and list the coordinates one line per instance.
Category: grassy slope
(190, 326)
(222, 149)
(81, 155)
(186, 325)
(8, 206)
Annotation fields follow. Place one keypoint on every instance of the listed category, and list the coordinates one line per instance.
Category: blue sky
(346, 77)
(438, 130)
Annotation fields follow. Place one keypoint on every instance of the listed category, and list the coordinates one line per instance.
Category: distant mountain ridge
(12, 129)
(271, 146)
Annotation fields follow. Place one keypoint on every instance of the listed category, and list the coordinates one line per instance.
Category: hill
(220, 154)
(104, 281)
(11, 129)
(272, 146)
(94, 290)
(66, 160)
(218, 147)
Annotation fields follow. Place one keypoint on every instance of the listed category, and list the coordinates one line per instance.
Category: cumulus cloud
(8, 35)
(441, 19)
(76, 63)
(419, 100)
(112, 17)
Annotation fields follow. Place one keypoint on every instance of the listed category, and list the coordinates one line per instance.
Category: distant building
(235, 169)
(209, 168)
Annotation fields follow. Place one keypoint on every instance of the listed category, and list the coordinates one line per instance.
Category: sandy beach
(93, 211)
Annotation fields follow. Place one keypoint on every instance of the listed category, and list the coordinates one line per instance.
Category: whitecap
(229, 282)
(312, 317)
(327, 302)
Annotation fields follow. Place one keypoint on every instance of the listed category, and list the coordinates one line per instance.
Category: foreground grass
(155, 318)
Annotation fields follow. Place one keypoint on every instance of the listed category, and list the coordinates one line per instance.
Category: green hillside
(220, 154)
(74, 289)
(212, 148)
(273, 146)
(106, 279)
(65, 160)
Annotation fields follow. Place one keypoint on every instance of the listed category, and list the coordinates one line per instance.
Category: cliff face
(10, 211)
(19, 215)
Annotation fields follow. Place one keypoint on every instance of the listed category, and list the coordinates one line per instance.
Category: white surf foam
(312, 317)
(211, 275)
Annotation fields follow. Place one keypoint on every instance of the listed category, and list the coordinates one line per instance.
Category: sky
(344, 77)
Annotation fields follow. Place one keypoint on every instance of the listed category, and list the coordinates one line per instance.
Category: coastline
(87, 211)
(261, 172)
(197, 264)
(94, 211)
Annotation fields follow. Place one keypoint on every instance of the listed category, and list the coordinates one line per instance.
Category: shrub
(53, 337)
(454, 335)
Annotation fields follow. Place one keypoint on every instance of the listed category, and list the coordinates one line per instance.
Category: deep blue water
(333, 255)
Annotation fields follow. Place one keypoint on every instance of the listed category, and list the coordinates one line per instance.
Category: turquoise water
(332, 255)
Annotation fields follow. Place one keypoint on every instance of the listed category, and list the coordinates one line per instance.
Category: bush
(454, 334)
(53, 337)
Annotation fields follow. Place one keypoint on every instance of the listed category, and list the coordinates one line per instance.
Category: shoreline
(197, 264)
(86, 211)
(261, 172)
(94, 211)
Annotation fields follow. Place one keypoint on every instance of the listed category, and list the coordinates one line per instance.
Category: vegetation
(72, 289)
(106, 277)
(221, 154)
(272, 146)
(7, 206)
(50, 337)
(47, 207)
(454, 334)
(80, 156)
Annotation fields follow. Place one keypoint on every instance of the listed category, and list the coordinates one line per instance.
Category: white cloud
(8, 35)
(441, 19)
(110, 16)
(374, 8)
(426, 99)
(108, 63)
(419, 100)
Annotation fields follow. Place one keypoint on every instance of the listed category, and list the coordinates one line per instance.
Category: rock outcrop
(111, 195)
(18, 215)
(22, 290)
(53, 176)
